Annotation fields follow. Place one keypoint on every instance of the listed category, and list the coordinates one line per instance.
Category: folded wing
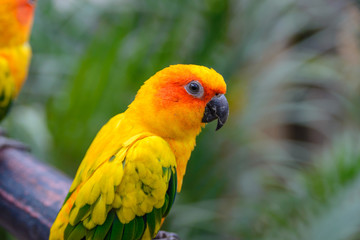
(126, 196)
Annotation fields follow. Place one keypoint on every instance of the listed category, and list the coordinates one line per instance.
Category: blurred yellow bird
(16, 18)
(128, 179)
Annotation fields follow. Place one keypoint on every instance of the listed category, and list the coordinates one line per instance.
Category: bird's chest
(182, 150)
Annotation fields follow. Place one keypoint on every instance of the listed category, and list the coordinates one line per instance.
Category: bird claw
(162, 235)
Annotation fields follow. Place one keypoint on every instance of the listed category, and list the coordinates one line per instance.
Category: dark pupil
(194, 87)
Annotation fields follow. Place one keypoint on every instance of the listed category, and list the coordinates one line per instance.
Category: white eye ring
(194, 88)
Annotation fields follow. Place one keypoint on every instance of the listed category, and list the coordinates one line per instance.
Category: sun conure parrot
(128, 179)
(16, 18)
(14, 64)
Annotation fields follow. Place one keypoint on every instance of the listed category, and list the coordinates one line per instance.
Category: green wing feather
(102, 230)
(95, 217)
(113, 229)
(117, 230)
(7, 88)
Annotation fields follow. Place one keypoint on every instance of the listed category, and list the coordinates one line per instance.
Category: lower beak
(217, 108)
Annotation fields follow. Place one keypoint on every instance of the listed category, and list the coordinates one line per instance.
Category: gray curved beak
(217, 108)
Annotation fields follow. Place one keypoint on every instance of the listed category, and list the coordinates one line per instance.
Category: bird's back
(127, 180)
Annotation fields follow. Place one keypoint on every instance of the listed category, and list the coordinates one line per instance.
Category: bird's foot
(162, 235)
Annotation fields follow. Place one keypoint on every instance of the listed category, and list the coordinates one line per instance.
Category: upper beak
(217, 108)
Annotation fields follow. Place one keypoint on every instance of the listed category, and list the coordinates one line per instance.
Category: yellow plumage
(128, 178)
(14, 64)
(7, 87)
(18, 58)
(16, 18)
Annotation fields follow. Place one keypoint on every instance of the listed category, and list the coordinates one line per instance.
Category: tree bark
(31, 194)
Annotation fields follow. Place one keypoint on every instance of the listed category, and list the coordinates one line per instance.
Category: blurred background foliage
(287, 163)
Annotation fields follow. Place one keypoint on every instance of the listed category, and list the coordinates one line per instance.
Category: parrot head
(16, 18)
(177, 101)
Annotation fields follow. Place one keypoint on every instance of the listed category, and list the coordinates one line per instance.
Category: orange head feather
(176, 103)
(16, 18)
(165, 106)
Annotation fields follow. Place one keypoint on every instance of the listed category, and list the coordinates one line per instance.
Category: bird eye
(195, 89)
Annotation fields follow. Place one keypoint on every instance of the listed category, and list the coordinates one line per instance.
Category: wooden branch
(31, 194)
